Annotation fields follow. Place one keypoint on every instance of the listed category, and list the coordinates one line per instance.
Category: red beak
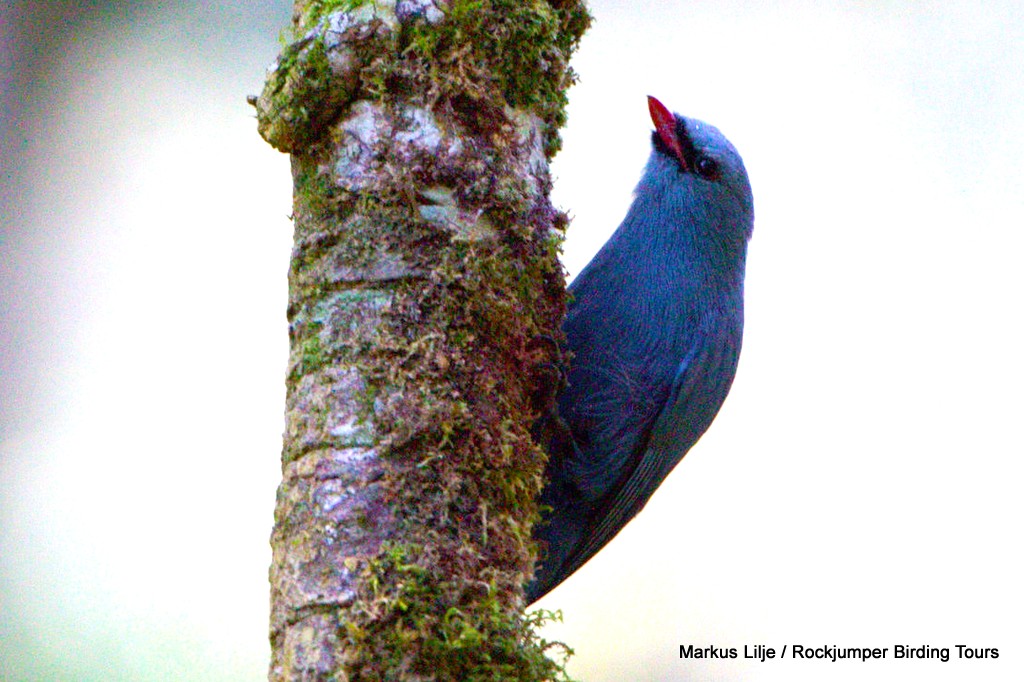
(665, 124)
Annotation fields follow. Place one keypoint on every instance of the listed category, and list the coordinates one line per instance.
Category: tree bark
(425, 268)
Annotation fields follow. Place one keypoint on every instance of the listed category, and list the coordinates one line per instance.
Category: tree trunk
(425, 269)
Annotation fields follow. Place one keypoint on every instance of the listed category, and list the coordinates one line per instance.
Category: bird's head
(699, 170)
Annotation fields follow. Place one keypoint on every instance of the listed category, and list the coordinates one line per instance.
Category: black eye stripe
(694, 161)
(689, 151)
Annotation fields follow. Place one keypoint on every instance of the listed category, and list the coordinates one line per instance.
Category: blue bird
(653, 329)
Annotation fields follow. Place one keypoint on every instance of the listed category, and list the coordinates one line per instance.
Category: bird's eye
(707, 167)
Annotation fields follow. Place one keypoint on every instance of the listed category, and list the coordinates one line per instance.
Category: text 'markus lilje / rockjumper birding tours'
(653, 332)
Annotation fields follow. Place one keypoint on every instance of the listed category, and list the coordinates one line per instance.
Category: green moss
(317, 9)
(477, 639)
(315, 195)
(449, 403)
(300, 97)
(498, 52)
(519, 50)
(312, 355)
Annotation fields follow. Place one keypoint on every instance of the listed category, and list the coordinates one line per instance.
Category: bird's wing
(700, 385)
(611, 406)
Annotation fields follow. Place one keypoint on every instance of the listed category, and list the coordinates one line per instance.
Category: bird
(652, 332)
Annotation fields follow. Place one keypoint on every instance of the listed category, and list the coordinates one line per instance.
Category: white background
(859, 488)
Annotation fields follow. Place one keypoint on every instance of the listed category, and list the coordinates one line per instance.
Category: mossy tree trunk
(424, 270)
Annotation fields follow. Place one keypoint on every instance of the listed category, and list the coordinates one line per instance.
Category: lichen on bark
(425, 266)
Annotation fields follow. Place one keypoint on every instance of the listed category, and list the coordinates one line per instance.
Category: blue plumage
(654, 330)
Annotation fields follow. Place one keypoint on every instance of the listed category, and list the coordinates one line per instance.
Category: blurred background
(859, 488)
